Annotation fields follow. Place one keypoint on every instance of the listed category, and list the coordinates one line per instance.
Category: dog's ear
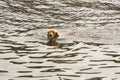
(57, 34)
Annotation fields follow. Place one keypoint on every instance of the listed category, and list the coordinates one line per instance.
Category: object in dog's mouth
(52, 36)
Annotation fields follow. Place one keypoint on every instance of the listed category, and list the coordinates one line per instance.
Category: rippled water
(89, 34)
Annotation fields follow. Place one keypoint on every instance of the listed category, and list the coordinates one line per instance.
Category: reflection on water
(90, 42)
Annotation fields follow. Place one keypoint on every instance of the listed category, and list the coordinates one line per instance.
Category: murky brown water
(90, 34)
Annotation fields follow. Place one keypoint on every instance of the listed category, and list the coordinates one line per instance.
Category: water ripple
(89, 42)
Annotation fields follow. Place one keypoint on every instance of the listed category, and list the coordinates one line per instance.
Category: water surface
(89, 37)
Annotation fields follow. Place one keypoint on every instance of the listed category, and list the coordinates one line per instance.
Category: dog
(52, 36)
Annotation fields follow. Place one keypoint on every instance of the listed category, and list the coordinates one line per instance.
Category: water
(89, 34)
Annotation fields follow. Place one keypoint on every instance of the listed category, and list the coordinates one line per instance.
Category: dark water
(90, 34)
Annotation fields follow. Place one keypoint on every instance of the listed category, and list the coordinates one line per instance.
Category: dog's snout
(50, 35)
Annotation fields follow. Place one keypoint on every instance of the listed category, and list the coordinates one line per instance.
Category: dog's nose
(50, 35)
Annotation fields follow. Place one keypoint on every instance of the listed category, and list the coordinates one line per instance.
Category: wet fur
(52, 36)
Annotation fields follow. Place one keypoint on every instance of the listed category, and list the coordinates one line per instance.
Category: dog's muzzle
(51, 35)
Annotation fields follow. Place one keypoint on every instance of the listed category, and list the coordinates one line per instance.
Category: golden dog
(52, 36)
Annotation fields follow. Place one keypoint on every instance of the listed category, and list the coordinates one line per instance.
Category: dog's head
(52, 34)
